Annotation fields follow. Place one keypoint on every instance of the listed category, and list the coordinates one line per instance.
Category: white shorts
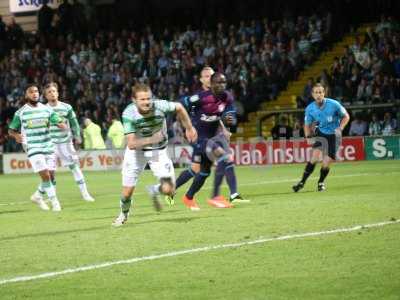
(136, 160)
(42, 162)
(66, 153)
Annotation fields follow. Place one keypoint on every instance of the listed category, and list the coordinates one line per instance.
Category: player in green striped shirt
(145, 128)
(30, 126)
(62, 139)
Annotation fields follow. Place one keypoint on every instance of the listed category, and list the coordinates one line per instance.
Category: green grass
(363, 264)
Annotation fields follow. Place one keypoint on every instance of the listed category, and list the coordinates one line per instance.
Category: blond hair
(140, 87)
(49, 85)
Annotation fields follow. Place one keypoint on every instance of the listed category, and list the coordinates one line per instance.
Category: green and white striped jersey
(67, 114)
(147, 125)
(34, 124)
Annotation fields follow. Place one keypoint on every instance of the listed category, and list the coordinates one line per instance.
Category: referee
(330, 118)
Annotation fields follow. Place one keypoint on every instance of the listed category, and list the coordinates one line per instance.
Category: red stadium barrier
(292, 151)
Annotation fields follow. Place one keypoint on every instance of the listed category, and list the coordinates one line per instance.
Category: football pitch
(340, 244)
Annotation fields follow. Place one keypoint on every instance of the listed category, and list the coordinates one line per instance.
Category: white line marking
(189, 251)
(209, 187)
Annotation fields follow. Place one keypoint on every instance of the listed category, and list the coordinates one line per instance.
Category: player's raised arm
(190, 131)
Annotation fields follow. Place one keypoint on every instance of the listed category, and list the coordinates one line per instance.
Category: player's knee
(195, 168)
(202, 175)
(224, 159)
(219, 152)
(45, 175)
(326, 162)
(316, 156)
(127, 191)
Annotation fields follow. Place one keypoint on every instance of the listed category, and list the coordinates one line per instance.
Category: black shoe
(321, 187)
(298, 187)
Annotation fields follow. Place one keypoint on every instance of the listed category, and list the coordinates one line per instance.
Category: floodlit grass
(363, 264)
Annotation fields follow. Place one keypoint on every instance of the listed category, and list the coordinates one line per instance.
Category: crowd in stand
(95, 72)
(367, 73)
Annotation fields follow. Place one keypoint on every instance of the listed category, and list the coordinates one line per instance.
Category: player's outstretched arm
(190, 131)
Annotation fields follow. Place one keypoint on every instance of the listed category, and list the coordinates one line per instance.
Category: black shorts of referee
(327, 143)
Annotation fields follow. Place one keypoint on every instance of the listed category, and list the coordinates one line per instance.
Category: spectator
(65, 14)
(364, 90)
(3, 38)
(389, 125)
(92, 136)
(358, 127)
(15, 34)
(307, 98)
(282, 130)
(45, 17)
(375, 126)
(349, 92)
(116, 133)
(298, 129)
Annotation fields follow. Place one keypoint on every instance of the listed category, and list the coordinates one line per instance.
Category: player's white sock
(157, 188)
(80, 180)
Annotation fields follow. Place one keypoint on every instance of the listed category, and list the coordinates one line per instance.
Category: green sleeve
(15, 123)
(129, 125)
(166, 106)
(76, 131)
(55, 118)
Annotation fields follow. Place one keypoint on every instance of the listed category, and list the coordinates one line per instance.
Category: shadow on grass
(6, 212)
(250, 196)
(106, 226)
(51, 233)
(135, 215)
(175, 220)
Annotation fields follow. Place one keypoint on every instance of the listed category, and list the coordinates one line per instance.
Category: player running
(331, 118)
(146, 132)
(186, 175)
(62, 140)
(31, 127)
(209, 108)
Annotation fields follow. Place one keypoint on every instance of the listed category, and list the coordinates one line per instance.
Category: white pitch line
(189, 251)
(253, 183)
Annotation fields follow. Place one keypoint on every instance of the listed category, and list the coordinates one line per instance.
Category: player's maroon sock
(307, 171)
(324, 172)
(231, 177)
(197, 183)
(219, 176)
(184, 177)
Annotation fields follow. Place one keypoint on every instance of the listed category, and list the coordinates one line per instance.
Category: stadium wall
(249, 153)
